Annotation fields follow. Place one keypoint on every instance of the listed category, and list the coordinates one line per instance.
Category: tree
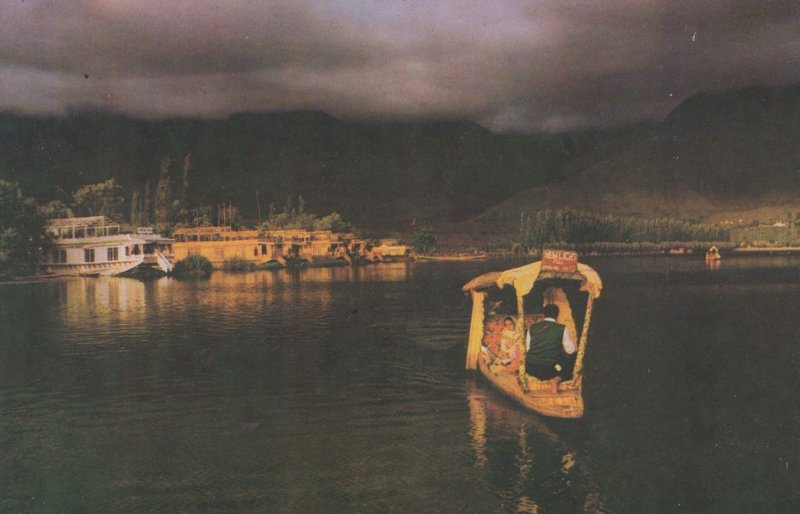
(332, 222)
(55, 210)
(21, 231)
(425, 241)
(299, 218)
(163, 197)
(101, 199)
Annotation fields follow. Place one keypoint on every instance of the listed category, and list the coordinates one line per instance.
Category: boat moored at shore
(91, 246)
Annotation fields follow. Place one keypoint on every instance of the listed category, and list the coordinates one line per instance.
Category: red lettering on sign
(560, 260)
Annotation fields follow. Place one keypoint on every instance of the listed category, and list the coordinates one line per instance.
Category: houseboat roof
(224, 233)
(86, 221)
(202, 230)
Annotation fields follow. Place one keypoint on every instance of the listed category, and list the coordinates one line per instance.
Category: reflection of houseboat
(713, 254)
(219, 244)
(91, 246)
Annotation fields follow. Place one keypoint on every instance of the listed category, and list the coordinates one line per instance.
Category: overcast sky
(548, 64)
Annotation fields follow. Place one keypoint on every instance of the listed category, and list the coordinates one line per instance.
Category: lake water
(329, 390)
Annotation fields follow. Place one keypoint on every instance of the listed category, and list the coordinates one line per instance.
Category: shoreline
(455, 257)
(767, 250)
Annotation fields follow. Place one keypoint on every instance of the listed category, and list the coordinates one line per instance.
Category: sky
(509, 65)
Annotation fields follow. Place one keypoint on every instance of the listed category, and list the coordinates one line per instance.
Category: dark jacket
(547, 347)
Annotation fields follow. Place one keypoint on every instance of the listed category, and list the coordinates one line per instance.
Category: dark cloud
(550, 64)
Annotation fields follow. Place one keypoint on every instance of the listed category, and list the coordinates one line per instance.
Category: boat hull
(101, 269)
(567, 403)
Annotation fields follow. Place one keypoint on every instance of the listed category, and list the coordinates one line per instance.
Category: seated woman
(507, 358)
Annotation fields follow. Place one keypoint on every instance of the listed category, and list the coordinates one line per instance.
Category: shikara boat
(558, 278)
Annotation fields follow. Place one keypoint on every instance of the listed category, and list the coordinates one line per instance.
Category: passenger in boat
(499, 344)
(551, 350)
(492, 336)
(508, 342)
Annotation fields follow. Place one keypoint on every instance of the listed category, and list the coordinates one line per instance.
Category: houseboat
(219, 244)
(158, 253)
(313, 247)
(390, 250)
(90, 246)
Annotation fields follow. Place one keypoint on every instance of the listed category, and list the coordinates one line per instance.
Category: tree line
(23, 220)
(551, 226)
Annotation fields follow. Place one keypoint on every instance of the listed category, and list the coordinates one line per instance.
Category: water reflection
(95, 304)
(344, 390)
(527, 462)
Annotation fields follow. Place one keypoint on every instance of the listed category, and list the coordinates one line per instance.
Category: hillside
(378, 175)
(716, 157)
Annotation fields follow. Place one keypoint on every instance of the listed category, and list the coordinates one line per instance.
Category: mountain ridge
(714, 153)
(715, 157)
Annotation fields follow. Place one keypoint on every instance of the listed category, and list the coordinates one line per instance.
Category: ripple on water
(345, 391)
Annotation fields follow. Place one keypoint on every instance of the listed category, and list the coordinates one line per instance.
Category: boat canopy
(523, 278)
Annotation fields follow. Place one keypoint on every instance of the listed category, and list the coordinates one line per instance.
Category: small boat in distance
(558, 279)
(713, 254)
(453, 257)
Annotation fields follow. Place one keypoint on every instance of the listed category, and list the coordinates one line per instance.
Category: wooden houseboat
(220, 244)
(300, 246)
(390, 250)
(90, 246)
(558, 278)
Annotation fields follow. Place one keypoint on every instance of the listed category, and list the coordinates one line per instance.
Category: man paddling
(550, 349)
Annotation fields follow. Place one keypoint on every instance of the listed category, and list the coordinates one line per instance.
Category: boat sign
(561, 261)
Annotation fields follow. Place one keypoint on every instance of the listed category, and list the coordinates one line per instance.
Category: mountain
(716, 156)
(376, 174)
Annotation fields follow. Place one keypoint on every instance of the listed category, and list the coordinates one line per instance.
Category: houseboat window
(263, 249)
(136, 250)
(88, 255)
(127, 251)
(113, 254)
(255, 251)
(219, 254)
(59, 255)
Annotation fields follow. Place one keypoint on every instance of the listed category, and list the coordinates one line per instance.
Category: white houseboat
(95, 246)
